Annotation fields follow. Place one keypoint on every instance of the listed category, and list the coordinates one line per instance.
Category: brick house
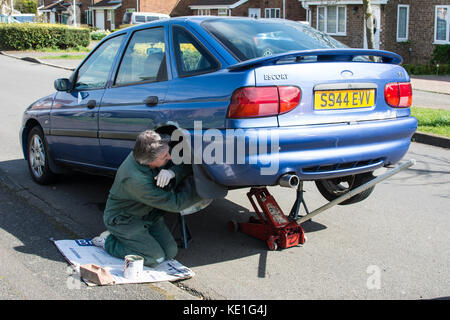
(59, 11)
(285, 9)
(108, 14)
(410, 28)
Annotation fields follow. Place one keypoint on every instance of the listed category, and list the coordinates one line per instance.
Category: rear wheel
(38, 157)
(334, 188)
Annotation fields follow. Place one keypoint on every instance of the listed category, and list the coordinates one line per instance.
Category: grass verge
(64, 56)
(435, 121)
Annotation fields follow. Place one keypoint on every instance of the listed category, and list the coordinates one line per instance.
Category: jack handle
(357, 190)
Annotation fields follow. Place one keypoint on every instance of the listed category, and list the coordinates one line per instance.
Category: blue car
(309, 108)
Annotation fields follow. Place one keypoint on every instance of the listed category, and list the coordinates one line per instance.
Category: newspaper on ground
(82, 251)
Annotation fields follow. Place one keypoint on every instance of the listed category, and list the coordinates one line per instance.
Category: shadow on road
(80, 199)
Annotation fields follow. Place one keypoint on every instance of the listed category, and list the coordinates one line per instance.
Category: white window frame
(337, 33)
(204, 12)
(88, 16)
(222, 12)
(268, 15)
(447, 36)
(400, 39)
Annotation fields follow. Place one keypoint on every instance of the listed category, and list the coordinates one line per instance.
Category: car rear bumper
(311, 152)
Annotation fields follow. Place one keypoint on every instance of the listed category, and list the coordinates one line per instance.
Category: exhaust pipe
(289, 181)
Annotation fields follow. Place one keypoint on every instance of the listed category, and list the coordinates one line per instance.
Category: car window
(190, 56)
(144, 59)
(250, 38)
(139, 18)
(151, 18)
(95, 70)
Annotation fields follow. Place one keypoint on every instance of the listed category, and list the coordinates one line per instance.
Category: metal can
(133, 267)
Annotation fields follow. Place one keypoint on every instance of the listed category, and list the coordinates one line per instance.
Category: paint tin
(133, 267)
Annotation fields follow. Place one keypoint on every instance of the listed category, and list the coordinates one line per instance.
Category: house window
(88, 16)
(222, 12)
(272, 13)
(204, 12)
(332, 19)
(442, 25)
(402, 23)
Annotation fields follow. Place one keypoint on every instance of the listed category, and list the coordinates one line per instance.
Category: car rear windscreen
(249, 38)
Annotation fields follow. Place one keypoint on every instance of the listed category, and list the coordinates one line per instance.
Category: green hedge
(441, 54)
(423, 69)
(25, 36)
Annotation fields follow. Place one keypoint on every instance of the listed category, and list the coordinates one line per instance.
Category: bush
(419, 69)
(25, 36)
(99, 35)
(441, 54)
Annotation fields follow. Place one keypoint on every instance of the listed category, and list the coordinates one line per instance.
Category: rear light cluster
(251, 102)
(398, 94)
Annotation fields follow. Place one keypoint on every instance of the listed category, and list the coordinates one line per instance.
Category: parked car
(325, 112)
(8, 19)
(142, 17)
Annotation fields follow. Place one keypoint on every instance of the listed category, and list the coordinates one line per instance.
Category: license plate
(344, 99)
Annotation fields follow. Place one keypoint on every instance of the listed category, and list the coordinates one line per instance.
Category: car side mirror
(62, 84)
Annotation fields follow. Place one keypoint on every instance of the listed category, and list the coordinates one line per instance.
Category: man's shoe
(100, 240)
(202, 204)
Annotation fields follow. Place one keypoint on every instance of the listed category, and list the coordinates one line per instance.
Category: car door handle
(91, 104)
(151, 101)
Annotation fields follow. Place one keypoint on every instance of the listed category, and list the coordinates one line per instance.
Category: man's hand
(163, 178)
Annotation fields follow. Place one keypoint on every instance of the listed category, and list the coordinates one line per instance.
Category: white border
(447, 40)
(407, 22)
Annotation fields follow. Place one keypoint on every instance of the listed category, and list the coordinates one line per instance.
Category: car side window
(144, 59)
(94, 72)
(191, 57)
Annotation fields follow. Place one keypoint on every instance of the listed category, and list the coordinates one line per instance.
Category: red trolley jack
(283, 231)
(272, 226)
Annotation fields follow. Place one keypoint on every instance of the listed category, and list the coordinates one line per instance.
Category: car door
(133, 101)
(74, 115)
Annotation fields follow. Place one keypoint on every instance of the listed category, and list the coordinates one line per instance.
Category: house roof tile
(213, 2)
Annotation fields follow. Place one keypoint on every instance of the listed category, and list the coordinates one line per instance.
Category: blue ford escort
(255, 101)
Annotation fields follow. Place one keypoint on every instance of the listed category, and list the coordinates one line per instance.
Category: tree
(368, 17)
(3, 3)
(26, 6)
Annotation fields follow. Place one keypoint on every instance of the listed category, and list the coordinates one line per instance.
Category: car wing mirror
(62, 84)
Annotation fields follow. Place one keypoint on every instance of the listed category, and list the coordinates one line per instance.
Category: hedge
(23, 36)
(423, 69)
(441, 54)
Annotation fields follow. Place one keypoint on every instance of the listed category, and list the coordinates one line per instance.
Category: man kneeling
(139, 198)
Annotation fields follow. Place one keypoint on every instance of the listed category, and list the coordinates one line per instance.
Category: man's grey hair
(149, 145)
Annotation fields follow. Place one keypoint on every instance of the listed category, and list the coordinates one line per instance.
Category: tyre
(38, 157)
(334, 188)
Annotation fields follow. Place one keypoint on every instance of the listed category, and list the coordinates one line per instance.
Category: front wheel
(38, 157)
(334, 188)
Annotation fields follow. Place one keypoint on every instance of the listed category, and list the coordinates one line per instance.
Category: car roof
(194, 19)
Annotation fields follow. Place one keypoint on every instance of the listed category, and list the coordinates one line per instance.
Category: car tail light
(289, 98)
(398, 94)
(251, 102)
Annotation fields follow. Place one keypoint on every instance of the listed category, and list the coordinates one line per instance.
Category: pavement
(426, 88)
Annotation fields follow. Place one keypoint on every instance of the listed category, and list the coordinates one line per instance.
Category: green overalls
(135, 209)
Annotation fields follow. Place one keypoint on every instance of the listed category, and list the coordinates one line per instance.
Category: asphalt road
(394, 245)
